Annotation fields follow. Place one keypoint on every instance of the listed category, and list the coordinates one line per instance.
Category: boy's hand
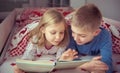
(69, 55)
(95, 65)
(17, 70)
(98, 72)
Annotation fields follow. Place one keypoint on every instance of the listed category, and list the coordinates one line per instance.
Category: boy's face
(54, 34)
(82, 37)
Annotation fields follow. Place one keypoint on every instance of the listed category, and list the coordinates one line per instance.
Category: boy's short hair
(88, 17)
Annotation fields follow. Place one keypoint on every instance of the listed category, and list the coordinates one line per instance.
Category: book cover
(49, 65)
(35, 66)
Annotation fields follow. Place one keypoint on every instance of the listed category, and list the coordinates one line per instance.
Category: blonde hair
(50, 17)
(88, 17)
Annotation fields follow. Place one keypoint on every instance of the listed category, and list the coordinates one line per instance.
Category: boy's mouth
(79, 43)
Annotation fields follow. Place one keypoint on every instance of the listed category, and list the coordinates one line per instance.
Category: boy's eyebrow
(80, 34)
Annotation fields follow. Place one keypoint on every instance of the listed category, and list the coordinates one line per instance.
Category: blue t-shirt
(100, 45)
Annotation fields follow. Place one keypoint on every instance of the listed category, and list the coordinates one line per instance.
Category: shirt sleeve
(59, 52)
(30, 51)
(106, 52)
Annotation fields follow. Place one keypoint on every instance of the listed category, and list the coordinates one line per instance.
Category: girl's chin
(55, 44)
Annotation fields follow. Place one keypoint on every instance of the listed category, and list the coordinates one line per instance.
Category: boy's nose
(75, 37)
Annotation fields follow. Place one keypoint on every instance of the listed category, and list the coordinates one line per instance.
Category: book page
(69, 64)
(35, 66)
(73, 64)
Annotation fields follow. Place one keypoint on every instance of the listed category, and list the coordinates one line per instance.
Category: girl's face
(54, 34)
(82, 37)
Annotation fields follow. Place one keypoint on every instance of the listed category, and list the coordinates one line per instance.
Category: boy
(89, 38)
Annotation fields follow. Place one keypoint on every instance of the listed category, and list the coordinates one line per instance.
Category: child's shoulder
(104, 31)
(104, 34)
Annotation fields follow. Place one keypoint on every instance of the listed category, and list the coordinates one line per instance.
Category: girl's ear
(97, 32)
(42, 28)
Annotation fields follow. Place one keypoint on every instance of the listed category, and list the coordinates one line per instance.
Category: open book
(49, 65)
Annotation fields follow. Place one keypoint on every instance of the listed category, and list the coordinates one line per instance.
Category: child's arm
(95, 66)
(30, 52)
(17, 70)
(68, 55)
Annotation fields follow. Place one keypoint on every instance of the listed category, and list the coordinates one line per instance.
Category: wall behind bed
(109, 8)
(6, 6)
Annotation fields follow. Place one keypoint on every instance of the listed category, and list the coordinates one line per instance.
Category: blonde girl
(50, 37)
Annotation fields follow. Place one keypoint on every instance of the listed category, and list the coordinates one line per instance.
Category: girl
(50, 37)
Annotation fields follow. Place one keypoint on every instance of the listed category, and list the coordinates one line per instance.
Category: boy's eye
(83, 36)
(79, 35)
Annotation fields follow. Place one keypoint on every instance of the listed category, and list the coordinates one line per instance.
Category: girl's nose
(58, 36)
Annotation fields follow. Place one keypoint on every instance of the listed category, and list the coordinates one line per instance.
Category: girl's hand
(95, 65)
(69, 55)
(17, 70)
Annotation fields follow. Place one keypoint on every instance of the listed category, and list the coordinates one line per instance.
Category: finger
(98, 71)
(65, 55)
(68, 51)
(100, 63)
(99, 67)
(97, 58)
(74, 50)
(75, 53)
(75, 57)
(71, 52)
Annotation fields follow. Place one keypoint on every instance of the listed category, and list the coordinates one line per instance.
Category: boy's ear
(97, 32)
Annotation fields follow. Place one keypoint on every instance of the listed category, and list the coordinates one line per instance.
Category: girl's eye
(61, 32)
(53, 32)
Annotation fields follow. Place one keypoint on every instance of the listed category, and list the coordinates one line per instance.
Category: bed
(19, 22)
